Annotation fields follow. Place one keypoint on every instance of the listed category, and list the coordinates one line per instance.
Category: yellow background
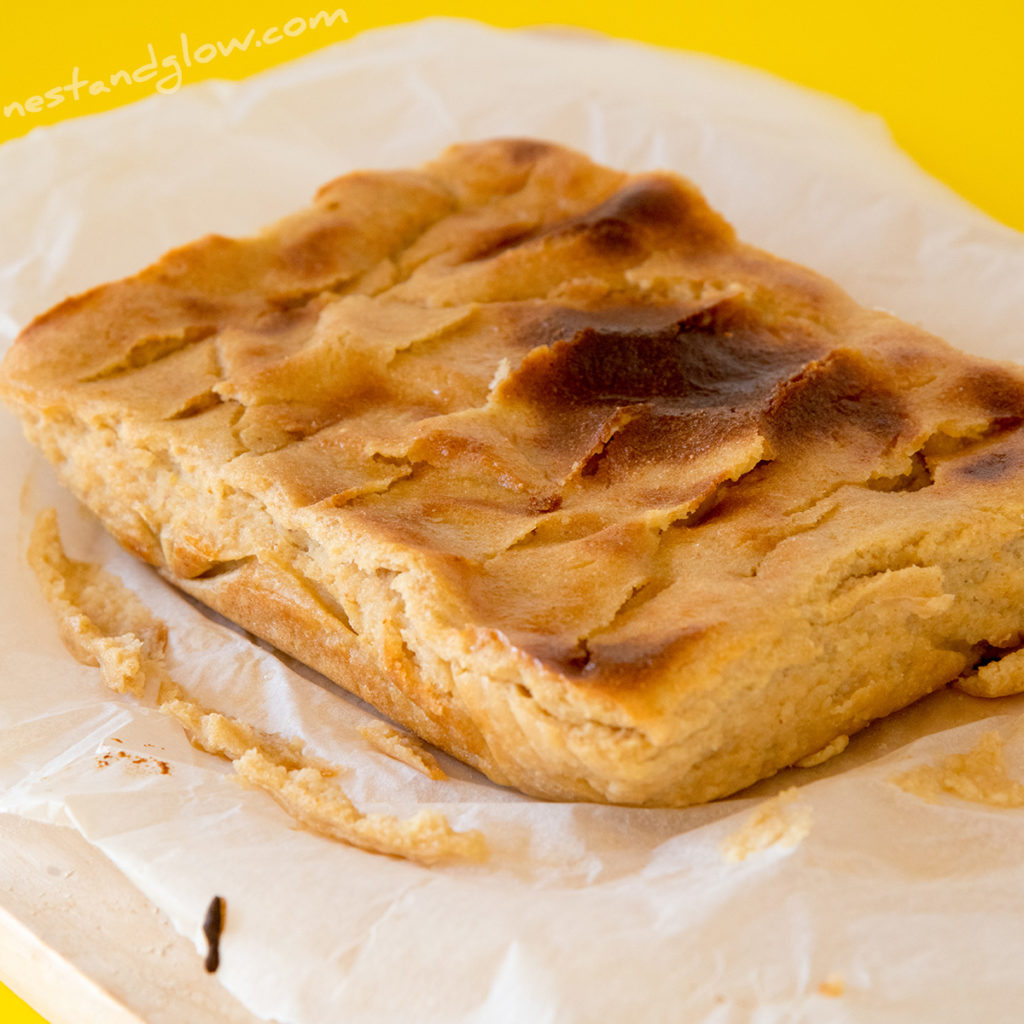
(14, 1011)
(947, 76)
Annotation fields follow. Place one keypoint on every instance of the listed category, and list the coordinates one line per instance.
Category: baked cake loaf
(542, 462)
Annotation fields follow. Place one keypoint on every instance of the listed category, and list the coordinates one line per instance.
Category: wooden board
(80, 944)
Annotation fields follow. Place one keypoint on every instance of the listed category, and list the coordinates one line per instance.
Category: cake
(540, 460)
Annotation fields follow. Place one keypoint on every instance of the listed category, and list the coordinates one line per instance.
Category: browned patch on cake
(614, 667)
(651, 209)
(837, 392)
(501, 241)
(990, 466)
(524, 151)
(639, 386)
(629, 664)
(657, 354)
(995, 390)
(553, 323)
(651, 439)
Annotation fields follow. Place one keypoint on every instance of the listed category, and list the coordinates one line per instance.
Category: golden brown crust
(540, 460)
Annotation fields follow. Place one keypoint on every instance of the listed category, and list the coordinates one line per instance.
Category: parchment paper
(912, 911)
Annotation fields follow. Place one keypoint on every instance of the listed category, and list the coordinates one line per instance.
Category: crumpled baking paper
(888, 909)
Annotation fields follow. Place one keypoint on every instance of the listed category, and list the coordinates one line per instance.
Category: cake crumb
(836, 747)
(1003, 677)
(322, 806)
(402, 747)
(833, 986)
(979, 776)
(104, 624)
(228, 737)
(101, 622)
(781, 821)
(305, 788)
